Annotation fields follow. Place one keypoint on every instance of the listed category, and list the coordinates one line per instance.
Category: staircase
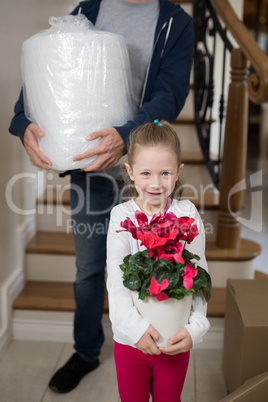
(46, 302)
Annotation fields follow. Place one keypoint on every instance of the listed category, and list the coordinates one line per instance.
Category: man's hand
(181, 342)
(109, 151)
(32, 133)
(147, 343)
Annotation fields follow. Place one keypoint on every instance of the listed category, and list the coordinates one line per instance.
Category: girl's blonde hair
(151, 135)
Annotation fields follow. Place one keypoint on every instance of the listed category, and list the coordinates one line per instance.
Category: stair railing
(229, 169)
(206, 27)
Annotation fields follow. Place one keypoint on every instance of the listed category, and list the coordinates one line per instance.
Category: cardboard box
(255, 389)
(245, 349)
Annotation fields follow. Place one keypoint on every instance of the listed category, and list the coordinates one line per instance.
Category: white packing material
(76, 80)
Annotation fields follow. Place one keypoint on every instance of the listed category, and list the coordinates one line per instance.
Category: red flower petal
(164, 285)
(148, 240)
(151, 253)
(179, 247)
(141, 218)
(178, 258)
(154, 287)
(169, 257)
(129, 226)
(140, 236)
(188, 275)
(162, 296)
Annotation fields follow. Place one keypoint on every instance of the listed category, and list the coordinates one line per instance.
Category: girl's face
(155, 171)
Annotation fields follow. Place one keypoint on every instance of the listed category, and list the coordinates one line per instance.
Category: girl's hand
(181, 342)
(147, 343)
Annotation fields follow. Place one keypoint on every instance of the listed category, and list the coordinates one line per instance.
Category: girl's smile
(155, 171)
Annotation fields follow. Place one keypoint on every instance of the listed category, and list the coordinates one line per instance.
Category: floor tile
(210, 385)
(26, 369)
(100, 385)
(188, 393)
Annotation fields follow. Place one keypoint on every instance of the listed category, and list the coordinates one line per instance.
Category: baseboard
(14, 283)
(5, 339)
(8, 292)
(32, 329)
(42, 330)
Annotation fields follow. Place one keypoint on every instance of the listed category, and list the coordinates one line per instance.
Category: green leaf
(141, 295)
(207, 293)
(199, 280)
(126, 259)
(130, 271)
(206, 284)
(180, 291)
(179, 296)
(123, 267)
(125, 264)
(172, 277)
(145, 287)
(187, 254)
(162, 265)
(180, 267)
(132, 282)
(141, 262)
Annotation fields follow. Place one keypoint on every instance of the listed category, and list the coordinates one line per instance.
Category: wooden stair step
(197, 158)
(55, 195)
(190, 121)
(48, 296)
(51, 243)
(260, 275)
(217, 302)
(58, 296)
(247, 251)
(182, 1)
(206, 201)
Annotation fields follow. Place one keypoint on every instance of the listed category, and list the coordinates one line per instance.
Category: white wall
(19, 19)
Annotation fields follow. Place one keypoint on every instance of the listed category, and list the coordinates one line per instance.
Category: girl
(154, 166)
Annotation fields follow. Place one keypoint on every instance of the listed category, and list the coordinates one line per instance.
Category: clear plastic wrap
(76, 80)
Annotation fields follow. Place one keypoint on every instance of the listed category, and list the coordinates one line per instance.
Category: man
(159, 36)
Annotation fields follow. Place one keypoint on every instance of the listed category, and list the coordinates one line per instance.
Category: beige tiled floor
(27, 367)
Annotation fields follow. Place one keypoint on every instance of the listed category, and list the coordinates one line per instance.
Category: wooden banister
(242, 87)
(258, 81)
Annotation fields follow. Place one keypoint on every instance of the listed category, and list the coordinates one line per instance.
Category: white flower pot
(168, 316)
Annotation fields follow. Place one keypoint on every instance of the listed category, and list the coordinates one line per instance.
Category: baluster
(234, 154)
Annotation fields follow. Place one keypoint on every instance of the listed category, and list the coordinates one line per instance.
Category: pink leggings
(134, 371)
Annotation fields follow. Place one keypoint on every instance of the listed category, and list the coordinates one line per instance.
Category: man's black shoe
(69, 376)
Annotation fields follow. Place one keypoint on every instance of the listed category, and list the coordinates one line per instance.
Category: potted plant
(165, 273)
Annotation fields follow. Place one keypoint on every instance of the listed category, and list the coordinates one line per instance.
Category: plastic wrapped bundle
(76, 81)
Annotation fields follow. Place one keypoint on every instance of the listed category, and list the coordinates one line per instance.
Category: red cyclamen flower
(155, 289)
(162, 236)
(188, 275)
